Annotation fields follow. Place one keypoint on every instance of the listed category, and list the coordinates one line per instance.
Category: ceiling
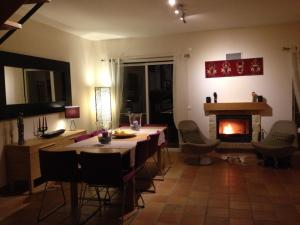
(110, 19)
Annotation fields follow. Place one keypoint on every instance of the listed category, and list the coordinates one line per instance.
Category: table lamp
(72, 112)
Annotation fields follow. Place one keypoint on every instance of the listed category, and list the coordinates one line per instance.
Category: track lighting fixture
(172, 2)
(179, 9)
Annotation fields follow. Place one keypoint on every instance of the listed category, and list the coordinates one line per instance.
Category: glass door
(148, 89)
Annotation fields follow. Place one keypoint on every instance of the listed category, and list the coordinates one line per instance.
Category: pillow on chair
(192, 136)
(280, 139)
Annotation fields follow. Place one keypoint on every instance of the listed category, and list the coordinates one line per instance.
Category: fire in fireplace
(234, 128)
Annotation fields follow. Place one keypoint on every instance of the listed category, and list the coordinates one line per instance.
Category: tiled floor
(220, 194)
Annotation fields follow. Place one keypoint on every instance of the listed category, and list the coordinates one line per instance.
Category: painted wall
(192, 87)
(43, 41)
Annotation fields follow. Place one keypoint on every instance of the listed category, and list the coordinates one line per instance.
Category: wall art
(237, 67)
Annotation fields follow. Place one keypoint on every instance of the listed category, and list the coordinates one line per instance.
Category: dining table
(124, 145)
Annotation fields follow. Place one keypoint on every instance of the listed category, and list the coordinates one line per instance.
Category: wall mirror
(33, 85)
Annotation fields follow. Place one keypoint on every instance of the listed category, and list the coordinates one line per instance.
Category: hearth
(234, 128)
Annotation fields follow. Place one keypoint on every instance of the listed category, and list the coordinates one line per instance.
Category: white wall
(192, 87)
(43, 41)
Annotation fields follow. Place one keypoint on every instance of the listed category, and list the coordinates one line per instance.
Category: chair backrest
(101, 168)
(165, 130)
(286, 127)
(141, 153)
(190, 132)
(95, 133)
(82, 137)
(59, 165)
(153, 146)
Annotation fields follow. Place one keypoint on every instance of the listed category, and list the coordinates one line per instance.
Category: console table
(22, 161)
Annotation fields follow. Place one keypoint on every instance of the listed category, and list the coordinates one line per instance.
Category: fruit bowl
(123, 134)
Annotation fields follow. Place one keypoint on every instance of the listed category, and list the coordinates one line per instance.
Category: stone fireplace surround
(255, 109)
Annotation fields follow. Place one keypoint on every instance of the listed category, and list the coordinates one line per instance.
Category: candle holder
(42, 128)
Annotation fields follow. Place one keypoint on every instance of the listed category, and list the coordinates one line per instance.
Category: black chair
(163, 146)
(141, 155)
(59, 167)
(105, 170)
(153, 152)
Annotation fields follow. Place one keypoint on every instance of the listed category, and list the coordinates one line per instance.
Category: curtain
(296, 73)
(180, 88)
(116, 76)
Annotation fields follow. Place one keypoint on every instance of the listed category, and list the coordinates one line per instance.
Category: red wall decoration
(236, 67)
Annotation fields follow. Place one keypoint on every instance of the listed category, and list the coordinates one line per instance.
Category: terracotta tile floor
(219, 194)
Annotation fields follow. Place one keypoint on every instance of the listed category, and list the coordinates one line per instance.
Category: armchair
(193, 142)
(280, 143)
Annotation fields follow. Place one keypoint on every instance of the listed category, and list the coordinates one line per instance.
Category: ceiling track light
(182, 17)
(179, 10)
(172, 2)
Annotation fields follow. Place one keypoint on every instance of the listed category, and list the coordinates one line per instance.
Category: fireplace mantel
(236, 107)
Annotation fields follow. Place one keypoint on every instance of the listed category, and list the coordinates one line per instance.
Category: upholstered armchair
(280, 143)
(194, 142)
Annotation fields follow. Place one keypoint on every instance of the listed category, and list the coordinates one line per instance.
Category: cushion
(280, 139)
(82, 137)
(192, 136)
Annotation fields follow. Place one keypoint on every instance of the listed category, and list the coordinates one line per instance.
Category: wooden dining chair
(105, 170)
(57, 166)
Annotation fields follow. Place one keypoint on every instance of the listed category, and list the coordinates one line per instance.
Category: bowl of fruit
(104, 137)
(123, 133)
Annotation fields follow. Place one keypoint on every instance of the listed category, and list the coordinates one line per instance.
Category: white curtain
(180, 88)
(116, 76)
(296, 72)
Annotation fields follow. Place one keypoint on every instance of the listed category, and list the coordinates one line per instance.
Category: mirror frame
(32, 62)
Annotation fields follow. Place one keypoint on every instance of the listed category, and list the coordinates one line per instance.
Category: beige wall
(43, 41)
(192, 87)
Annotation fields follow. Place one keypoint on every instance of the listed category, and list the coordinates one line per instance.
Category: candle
(43, 124)
(39, 124)
(46, 122)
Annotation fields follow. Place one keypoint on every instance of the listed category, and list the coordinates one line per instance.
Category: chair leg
(168, 154)
(139, 196)
(82, 203)
(123, 203)
(42, 217)
(159, 170)
(99, 199)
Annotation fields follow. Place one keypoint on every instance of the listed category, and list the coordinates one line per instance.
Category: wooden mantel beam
(36, 1)
(7, 8)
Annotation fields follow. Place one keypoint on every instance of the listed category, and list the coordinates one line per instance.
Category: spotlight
(182, 18)
(176, 11)
(172, 2)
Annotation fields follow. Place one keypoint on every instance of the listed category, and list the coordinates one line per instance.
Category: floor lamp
(103, 106)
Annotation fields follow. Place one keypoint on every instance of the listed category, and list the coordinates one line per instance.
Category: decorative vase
(20, 124)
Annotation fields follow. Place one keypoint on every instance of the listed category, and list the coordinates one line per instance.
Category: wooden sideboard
(22, 161)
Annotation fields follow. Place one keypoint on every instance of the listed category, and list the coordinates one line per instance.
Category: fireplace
(234, 128)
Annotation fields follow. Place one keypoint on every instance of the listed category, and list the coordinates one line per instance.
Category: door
(148, 89)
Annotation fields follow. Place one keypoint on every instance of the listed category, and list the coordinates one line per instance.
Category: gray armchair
(193, 142)
(280, 143)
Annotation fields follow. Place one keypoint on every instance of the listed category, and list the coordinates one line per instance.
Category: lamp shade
(72, 112)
